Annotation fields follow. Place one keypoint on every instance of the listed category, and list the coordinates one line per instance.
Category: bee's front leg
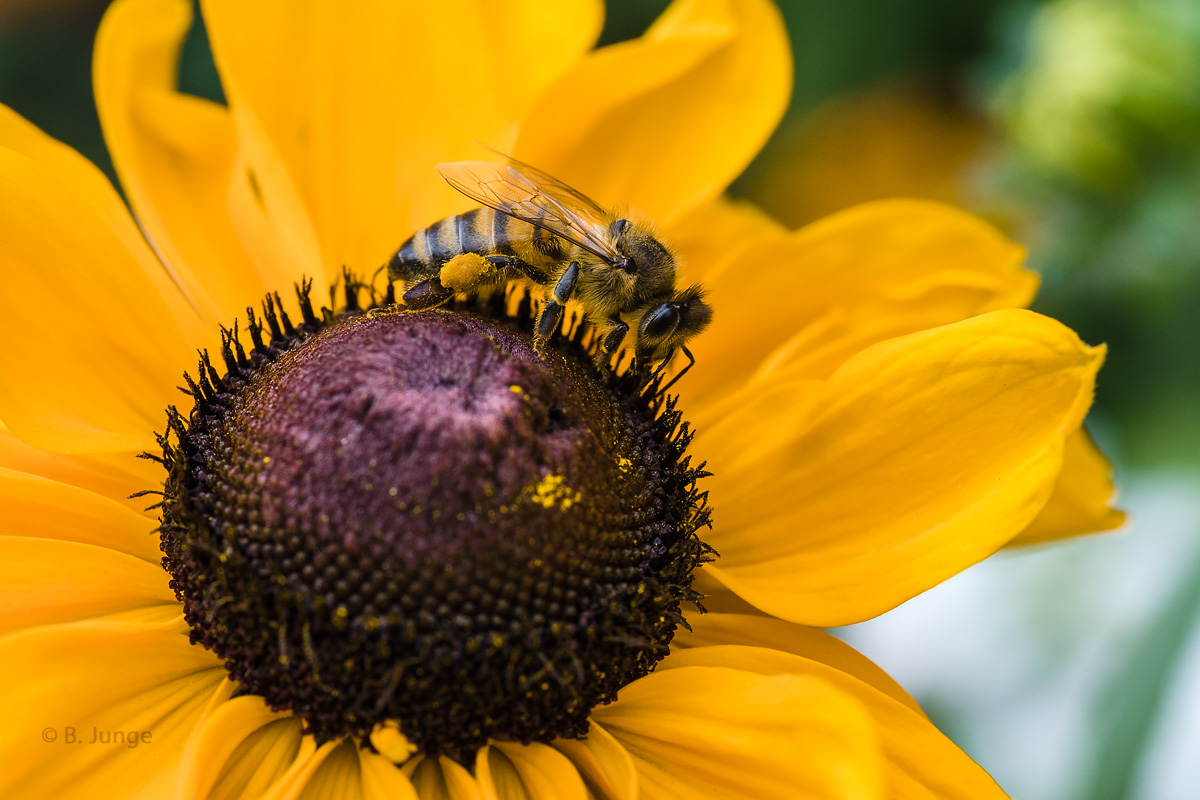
(612, 339)
(551, 316)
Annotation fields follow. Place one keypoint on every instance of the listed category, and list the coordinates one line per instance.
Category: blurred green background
(1071, 671)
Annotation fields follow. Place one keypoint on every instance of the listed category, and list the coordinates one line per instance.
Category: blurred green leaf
(1126, 713)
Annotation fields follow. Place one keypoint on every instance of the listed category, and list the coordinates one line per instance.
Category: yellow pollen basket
(465, 271)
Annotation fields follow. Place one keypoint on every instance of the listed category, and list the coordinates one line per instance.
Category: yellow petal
(43, 581)
(338, 776)
(295, 782)
(344, 109)
(668, 120)
(176, 155)
(801, 304)
(891, 141)
(94, 350)
(74, 171)
(239, 751)
(383, 780)
(89, 186)
(918, 761)
(143, 687)
(508, 771)
(813, 644)
(714, 232)
(113, 475)
(711, 732)
(441, 778)
(1080, 502)
(921, 456)
(605, 766)
(37, 507)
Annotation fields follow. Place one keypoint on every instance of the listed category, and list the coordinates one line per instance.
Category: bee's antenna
(682, 372)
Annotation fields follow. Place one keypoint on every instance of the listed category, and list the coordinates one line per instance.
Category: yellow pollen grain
(624, 464)
(552, 492)
(391, 743)
(516, 389)
(266, 459)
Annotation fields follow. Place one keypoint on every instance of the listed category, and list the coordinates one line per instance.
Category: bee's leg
(427, 294)
(525, 268)
(612, 340)
(682, 372)
(551, 316)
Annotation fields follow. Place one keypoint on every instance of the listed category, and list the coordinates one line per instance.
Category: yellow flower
(877, 410)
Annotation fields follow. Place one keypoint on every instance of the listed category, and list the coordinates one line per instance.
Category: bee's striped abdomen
(501, 242)
(427, 249)
(481, 231)
(474, 231)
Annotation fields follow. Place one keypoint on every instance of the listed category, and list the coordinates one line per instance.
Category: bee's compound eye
(660, 322)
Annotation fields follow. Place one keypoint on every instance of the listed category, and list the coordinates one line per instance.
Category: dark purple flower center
(415, 517)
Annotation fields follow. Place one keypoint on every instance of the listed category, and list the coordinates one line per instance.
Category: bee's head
(644, 254)
(671, 323)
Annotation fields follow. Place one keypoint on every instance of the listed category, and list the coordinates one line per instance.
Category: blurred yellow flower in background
(878, 410)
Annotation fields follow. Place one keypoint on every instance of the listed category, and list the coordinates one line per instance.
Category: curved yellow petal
(1080, 502)
(711, 732)
(239, 751)
(383, 780)
(798, 305)
(509, 771)
(94, 705)
(295, 782)
(918, 761)
(921, 456)
(666, 121)
(605, 766)
(94, 349)
(43, 582)
(813, 644)
(894, 140)
(82, 179)
(71, 169)
(338, 776)
(113, 475)
(342, 117)
(176, 156)
(42, 508)
(709, 234)
(441, 778)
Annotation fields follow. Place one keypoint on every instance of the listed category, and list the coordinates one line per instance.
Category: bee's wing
(533, 196)
(553, 185)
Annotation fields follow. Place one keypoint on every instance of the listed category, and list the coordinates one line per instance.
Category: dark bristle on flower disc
(413, 517)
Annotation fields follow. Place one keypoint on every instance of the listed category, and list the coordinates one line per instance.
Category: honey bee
(533, 227)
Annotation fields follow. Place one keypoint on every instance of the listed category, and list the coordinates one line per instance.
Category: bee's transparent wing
(533, 196)
(569, 194)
